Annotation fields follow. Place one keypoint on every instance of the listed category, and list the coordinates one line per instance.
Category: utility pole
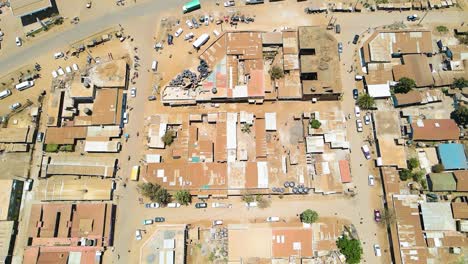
(422, 18)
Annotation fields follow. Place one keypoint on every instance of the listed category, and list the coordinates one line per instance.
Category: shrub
(438, 168)
(460, 83)
(168, 137)
(51, 147)
(413, 163)
(442, 29)
(460, 115)
(183, 197)
(67, 148)
(405, 174)
(309, 216)
(315, 124)
(276, 73)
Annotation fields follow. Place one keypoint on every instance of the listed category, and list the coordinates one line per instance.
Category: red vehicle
(377, 216)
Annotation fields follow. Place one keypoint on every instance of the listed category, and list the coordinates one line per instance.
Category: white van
(138, 235)
(54, 74)
(5, 93)
(377, 250)
(24, 85)
(273, 219)
(154, 65)
(68, 69)
(173, 205)
(75, 67)
(251, 204)
(366, 151)
(201, 41)
(178, 32)
(358, 77)
(357, 111)
(217, 222)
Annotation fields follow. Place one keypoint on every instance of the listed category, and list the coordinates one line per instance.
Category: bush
(67, 148)
(404, 85)
(51, 147)
(350, 248)
(168, 137)
(309, 216)
(460, 83)
(417, 176)
(413, 163)
(276, 73)
(438, 168)
(154, 192)
(405, 174)
(315, 124)
(262, 202)
(183, 197)
(460, 115)
(248, 198)
(442, 29)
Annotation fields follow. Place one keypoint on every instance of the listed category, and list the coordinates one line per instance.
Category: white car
(357, 111)
(133, 92)
(207, 20)
(252, 204)
(367, 119)
(173, 205)
(229, 3)
(216, 33)
(1, 34)
(15, 106)
(138, 235)
(218, 205)
(366, 151)
(217, 222)
(125, 118)
(18, 42)
(178, 32)
(68, 69)
(359, 125)
(371, 180)
(377, 250)
(189, 23)
(189, 36)
(148, 222)
(152, 205)
(58, 55)
(54, 74)
(273, 219)
(75, 67)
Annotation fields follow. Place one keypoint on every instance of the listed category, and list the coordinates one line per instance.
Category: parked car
(152, 205)
(159, 219)
(18, 41)
(201, 205)
(229, 3)
(170, 39)
(337, 28)
(178, 32)
(340, 47)
(273, 219)
(251, 204)
(151, 98)
(125, 118)
(189, 23)
(219, 205)
(189, 36)
(377, 216)
(173, 205)
(207, 20)
(355, 39)
(195, 23)
(377, 250)
(355, 94)
(357, 111)
(371, 180)
(217, 222)
(148, 222)
(367, 119)
(58, 55)
(359, 125)
(138, 235)
(412, 17)
(15, 106)
(40, 137)
(366, 151)
(358, 77)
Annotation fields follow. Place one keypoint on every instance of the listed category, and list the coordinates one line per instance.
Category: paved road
(56, 40)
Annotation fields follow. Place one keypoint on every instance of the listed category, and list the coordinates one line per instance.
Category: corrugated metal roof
(437, 217)
(452, 156)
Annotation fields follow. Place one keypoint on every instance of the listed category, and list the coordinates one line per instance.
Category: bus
(5, 93)
(191, 6)
(135, 173)
(24, 85)
(201, 41)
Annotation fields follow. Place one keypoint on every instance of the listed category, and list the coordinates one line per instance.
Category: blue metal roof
(452, 156)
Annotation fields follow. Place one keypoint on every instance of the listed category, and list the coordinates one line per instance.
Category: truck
(24, 85)
(135, 173)
(191, 6)
(201, 41)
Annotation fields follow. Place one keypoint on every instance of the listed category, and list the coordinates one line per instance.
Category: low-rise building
(452, 156)
(434, 130)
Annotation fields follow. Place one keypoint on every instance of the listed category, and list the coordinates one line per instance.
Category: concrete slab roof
(26, 7)
(110, 74)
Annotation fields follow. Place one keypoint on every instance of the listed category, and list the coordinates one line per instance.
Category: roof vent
(420, 123)
(437, 124)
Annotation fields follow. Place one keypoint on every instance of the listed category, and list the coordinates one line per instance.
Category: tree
(154, 192)
(438, 168)
(405, 174)
(460, 115)
(365, 101)
(262, 202)
(248, 198)
(315, 124)
(183, 197)
(51, 147)
(388, 217)
(404, 85)
(246, 128)
(350, 248)
(276, 73)
(168, 137)
(460, 83)
(442, 29)
(417, 176)
(413, 163)
(309, 216)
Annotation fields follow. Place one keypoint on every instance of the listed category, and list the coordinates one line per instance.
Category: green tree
(350, 248)
(309, 216)
(262, 202)
(154, 192)
(183, 197)
(413, 163)
(315, 124)
(51, 147)
(388, 217)
(248, 198)
(168, 137)
(405, 174)
(404, 85)
(460, 115)
(162, 196)
(417, 176)
(365, 101)
(246, 128)
(460, 83)
(276, 73)
(442, 29)
(438, 168)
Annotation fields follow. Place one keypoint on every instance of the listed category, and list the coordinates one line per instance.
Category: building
(77, 232)
(461, 176)
(437, 217)
(74, 188)
(442, 182)
(167, 244)
(22, 8)
(414, 97)
(388, 131)
(460, 210)
(415, 67)
(452, 156)
(7, 240)
(319, 64)
(434, 130)
(11, 192)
